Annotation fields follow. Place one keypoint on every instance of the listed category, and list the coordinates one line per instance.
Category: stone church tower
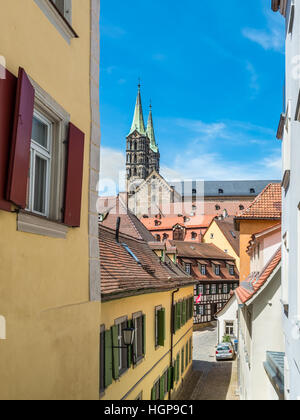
(142, 154)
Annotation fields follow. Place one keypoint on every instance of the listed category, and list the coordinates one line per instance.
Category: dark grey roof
(229, 188)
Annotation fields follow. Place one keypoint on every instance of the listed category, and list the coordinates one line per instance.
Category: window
(200, 289)
(231, 270)
(292, 18)
(229, 328)
(123, 352)
(182, 361)
(221, 191)
(252, 190)
(194, 192)
(241, 207)
(194, 236)
(218, 207)
(212, 236)
(178, 234)
(38, 188)
(158, 238)
(213, 289)
(203, 270)
(165, 379)
(160, 325)
(188, 268)
(139, 337)
(200, 310)
(207, 289)
(62, 7)
(225, 288)
(155, 391)
(207, 310)
(165, 236)
(217, 270)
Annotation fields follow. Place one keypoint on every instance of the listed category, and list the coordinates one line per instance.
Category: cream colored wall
(156, 360)
(52, 346)
(220, 241)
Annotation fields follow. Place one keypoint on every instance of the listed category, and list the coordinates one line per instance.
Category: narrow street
(210, 380)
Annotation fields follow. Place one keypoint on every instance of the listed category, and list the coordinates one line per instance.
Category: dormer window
(231, 270)
(188, 268)
(203, 270)
(221, 191)
(241, 207)
(194, 191)
(194, 236)
(217, 269)
(252, 191)
(218, 208)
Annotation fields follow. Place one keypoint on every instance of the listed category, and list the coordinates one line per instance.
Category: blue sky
(214, 71)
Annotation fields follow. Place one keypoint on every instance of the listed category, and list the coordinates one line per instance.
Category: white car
(225, 351)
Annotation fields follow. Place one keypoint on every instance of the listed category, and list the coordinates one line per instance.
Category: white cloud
(112, 31)
(112, 171)
(271, 38)
(268, 40)
(212, 166)
(254, 85)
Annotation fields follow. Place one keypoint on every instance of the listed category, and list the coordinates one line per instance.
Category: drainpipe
(172, 330)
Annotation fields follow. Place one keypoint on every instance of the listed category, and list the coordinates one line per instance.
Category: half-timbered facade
(216, 273)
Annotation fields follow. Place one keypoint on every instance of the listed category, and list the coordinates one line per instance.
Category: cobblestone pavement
(209, 380)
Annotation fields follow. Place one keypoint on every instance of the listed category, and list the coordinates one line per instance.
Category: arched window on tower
(135, 145)
(135, 159)
(135, 172)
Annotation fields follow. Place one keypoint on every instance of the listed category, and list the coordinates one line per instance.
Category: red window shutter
(74, 177)
(8, 86)
(21, 139)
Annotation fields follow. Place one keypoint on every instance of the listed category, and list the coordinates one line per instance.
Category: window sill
(139, 361)
(57, 19)
(29, 223)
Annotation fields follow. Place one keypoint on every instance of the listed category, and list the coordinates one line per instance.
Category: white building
(289, 132)
(228, 320)
(260, 336)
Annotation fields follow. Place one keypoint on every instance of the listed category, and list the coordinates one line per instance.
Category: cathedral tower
(142, 154)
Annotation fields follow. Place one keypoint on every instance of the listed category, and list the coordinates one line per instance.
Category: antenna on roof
(118, 229)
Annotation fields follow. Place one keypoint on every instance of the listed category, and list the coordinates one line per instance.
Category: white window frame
(37, 150)
(188, 268)
(213, 289)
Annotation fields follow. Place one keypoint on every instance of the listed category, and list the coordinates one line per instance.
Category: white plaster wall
(231, 316)
(267, 335)
(291, 219)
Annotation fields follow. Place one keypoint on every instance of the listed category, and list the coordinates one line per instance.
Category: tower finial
(138, 119)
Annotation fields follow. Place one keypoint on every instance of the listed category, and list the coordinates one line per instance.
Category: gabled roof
(266, 206)
(255, 281)
(200, 250)
(130, 267)
(170, 222)
(130, 224)
(227, 227)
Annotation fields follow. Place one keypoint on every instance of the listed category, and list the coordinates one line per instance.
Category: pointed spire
(138, 119)
(150, 131)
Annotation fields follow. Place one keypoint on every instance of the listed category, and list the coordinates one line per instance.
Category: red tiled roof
(267, 205)
(200, 251)
(168, 222)
(123, 275)
(255, 281)
(113, 208)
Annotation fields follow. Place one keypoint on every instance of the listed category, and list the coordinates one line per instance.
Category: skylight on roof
(131, 254)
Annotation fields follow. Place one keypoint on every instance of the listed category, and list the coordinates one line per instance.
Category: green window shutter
(184, 317)
(162, 388)
(170, 378)
(178, 316)
(181, 314)
(108, 359)
(186, 354)
(161, 315)
(153, 392)
(191, 349)
(192, 307)
(174, 319)
(182, 361)
(144, 335)
(188, 309)
(129, 352)
(178, 367)
(115, 352)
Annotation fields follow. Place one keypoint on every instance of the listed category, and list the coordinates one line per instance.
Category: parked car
(225, 351)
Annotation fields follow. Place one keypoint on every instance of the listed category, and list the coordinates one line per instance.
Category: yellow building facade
(150, 378)
(49, 269)
(215, 235)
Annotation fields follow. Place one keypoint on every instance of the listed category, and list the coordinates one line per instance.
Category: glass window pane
(40, 182)
(40, 132)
